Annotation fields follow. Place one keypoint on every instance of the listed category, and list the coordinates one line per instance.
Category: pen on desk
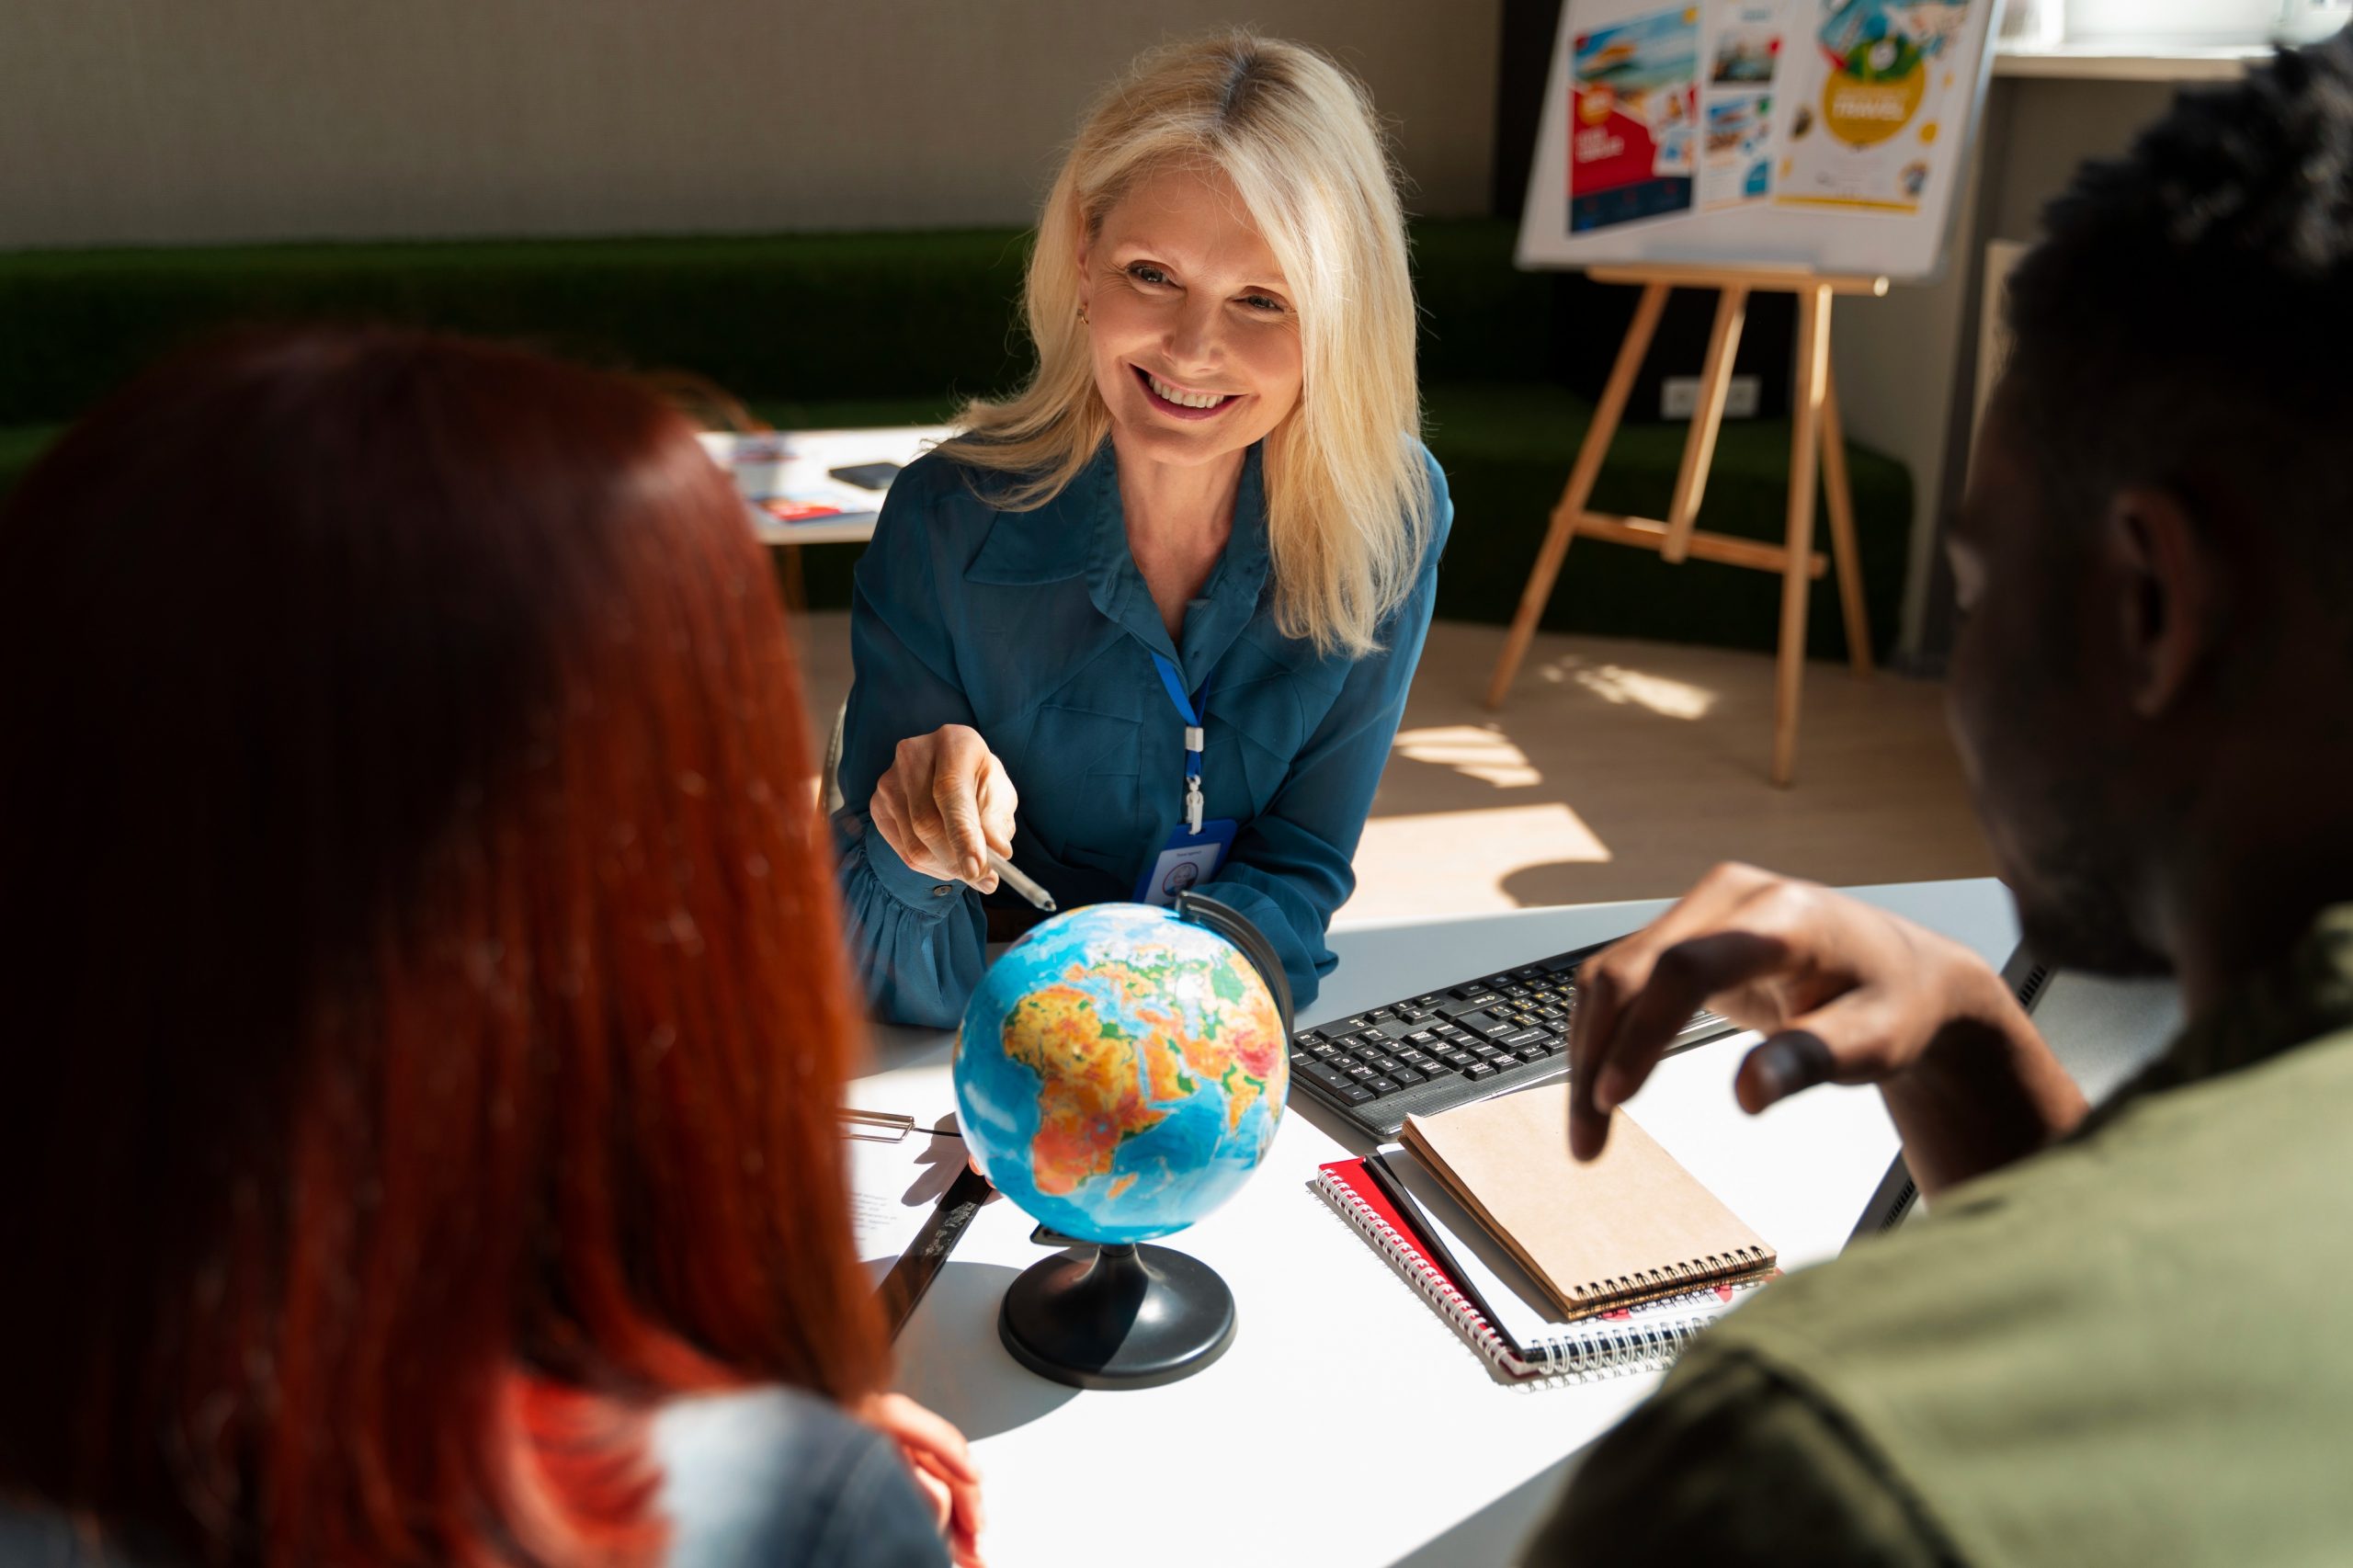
(1012, 877)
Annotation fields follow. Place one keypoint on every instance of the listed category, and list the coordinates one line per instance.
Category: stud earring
(1082, 317)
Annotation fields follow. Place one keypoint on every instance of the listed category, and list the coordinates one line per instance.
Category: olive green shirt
(2135, 1347)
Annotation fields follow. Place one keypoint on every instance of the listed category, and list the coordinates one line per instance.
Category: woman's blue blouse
(1036, 629)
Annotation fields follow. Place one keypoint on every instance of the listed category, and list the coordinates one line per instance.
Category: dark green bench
(816, 330)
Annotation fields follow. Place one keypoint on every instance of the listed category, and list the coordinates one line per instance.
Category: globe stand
(1117, 1317)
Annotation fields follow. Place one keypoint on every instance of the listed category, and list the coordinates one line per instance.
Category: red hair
(425, 1010)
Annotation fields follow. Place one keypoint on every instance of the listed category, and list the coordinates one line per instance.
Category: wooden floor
(1623, 770)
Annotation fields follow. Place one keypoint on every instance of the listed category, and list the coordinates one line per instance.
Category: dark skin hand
(1844, 993)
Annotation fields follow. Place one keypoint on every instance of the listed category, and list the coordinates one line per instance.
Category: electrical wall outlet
(1678, 397)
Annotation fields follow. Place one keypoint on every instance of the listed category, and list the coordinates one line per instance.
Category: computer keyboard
(1453, 1045)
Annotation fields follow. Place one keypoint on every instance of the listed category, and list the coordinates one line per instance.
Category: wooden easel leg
(1841, 503)
(1707, 419)
(1606, 415)
(1805, 449)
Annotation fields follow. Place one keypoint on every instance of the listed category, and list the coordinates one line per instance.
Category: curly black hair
(2188, 320)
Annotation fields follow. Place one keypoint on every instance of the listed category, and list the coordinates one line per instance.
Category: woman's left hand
(942, 1465)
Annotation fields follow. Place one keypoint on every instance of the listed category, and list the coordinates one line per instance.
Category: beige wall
(1906, 364)
(189, 121)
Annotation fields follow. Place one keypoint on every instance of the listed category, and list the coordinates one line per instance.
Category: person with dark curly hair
(2120, 1335)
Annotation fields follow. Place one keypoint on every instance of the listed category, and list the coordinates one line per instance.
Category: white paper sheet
(895, 1184)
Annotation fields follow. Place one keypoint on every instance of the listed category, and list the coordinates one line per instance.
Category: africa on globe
(1121, 1072)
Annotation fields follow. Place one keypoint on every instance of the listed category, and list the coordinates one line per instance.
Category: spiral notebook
(1492, 1308)
(1628, 1227)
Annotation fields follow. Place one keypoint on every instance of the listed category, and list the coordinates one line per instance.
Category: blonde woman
(1148, 623)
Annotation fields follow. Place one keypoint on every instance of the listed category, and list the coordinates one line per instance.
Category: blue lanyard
(1193, 718)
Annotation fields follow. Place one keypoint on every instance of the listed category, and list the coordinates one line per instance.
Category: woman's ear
(1086, 281)
(2169, 589)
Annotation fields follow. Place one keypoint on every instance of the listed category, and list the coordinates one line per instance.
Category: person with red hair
(426, 1010)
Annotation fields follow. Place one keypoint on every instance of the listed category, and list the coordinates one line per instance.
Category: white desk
(796, 466)
(1287, 1450)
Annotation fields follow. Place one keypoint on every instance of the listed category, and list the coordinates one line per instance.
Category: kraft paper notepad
(1632, 1226)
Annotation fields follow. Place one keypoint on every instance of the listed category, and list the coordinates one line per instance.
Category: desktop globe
(1120, 1075)
(1121, 1072)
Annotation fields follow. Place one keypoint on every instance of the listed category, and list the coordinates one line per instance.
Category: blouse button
(942, 890)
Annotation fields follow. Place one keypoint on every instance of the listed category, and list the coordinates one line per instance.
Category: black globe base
(1116, 1317)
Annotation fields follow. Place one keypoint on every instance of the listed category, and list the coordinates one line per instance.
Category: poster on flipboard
(1827, 134)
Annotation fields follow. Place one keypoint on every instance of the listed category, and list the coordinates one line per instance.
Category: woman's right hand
(945, 803)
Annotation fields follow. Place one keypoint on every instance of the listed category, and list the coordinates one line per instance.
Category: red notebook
(1632, 1339)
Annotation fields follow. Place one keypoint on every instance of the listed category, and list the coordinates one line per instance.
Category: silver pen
(1012, 877)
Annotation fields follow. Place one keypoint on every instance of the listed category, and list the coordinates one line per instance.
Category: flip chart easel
(1816, 439)
(1808, 147)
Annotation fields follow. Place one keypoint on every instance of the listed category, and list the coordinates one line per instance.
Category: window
(2175, 24)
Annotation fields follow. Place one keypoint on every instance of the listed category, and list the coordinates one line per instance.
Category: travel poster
(1744, 52)
(1634, 121)
(1870, 94)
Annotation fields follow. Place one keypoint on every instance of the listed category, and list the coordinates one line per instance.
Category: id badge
(1188, 859)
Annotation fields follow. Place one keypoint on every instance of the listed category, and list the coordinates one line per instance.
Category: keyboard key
(1522, 1038)
(1528, 971)
(1468, 989)
(1480, 1071)
(1531, 1053)
(1359, 1071)
(1383, 1086)
(1398, 1029)
(1407, 1076)
(1500, 1029)
(1301, 1061)
(1428, 999)
(1477, 1000)
(1330, 1077)
(1384, 1064)
(1380, 1014)
(1373, 1037)
(1322, 1050)
(1357, 1094)
(1564, 963)
(1422, 1038)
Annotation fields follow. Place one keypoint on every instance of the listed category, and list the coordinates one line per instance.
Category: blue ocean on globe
(1121, 1072)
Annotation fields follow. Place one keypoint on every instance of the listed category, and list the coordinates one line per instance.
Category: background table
(1348, 1423)
(797, 465)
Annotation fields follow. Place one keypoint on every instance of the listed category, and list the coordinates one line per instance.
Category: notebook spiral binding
(1595, 1351)
(1650, 1284)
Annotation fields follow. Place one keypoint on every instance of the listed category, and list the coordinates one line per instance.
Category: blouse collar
(1026, 547)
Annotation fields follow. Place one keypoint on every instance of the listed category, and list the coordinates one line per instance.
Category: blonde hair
(1348, 499)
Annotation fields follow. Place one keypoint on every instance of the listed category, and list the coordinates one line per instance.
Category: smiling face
(1194, 330)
